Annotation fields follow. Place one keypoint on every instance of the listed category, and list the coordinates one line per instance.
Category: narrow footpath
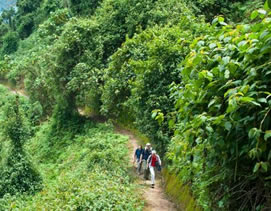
(155, 197)
(15, 91)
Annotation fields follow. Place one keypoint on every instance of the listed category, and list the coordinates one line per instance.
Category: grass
(86, 170)
(179, 193)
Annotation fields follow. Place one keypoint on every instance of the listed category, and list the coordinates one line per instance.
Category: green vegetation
(17, 175)
(138, 78)
(180, 193)
(83, 165)
(235, 11)
(86, 169)
(192, 76)
(222, 109)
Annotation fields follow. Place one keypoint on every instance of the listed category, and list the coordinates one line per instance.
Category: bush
(232, 10)
(221, 144)
(10, 43)
(85, 170)
(17, 174)
(139, 76)
(82, 46)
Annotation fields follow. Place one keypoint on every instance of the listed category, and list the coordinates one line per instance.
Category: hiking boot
(152, 186)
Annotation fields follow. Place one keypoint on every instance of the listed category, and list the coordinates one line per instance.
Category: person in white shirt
(153, 162)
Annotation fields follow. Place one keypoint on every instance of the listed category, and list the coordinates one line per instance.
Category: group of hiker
(147, 160)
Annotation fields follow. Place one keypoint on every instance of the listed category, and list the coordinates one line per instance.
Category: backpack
(158, 166)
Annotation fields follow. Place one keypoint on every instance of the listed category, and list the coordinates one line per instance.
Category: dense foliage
(17, 174)
(138, 78)
(223, 116)
(84, 167)
(218, 89)
(75, 164)
(233, 10)
(194, 81)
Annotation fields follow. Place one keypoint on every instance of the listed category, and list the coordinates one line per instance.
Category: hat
(148, 144)
(153, 152)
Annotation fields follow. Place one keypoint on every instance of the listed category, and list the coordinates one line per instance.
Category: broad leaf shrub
(85, 170)
(221, 145)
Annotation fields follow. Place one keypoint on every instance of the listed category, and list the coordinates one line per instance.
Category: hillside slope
(83, 166)
(192, 76)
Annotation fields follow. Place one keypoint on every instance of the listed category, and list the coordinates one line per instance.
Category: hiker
(153, 161)
(144, 157)
(137, 156)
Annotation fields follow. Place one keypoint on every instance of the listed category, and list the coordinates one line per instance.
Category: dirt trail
(155, 198)
(16, 91)
(19, 92)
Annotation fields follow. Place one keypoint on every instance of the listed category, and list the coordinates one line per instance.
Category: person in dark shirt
(144, 157)
(137, 157)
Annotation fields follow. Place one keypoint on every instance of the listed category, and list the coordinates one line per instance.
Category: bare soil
(155, 198)
(15, 91)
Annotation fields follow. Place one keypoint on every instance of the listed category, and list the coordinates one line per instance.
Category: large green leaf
(267, 134)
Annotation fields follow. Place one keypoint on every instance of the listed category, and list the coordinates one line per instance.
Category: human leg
(152, 175)
(138, 166)
(145, 169)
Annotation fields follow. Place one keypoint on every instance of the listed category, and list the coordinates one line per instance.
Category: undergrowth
(86, 171)
(82, 165)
